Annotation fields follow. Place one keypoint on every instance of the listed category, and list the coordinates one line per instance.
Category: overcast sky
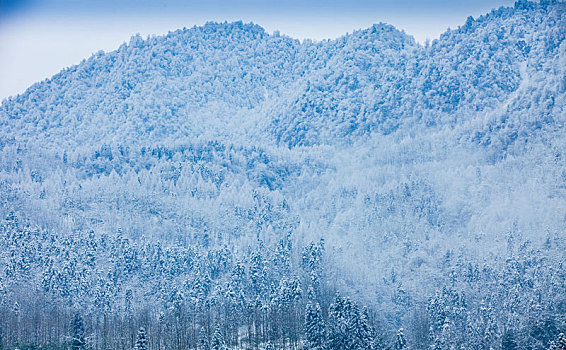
(38, 38)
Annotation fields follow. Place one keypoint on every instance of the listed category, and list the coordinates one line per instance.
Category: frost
(215, 187)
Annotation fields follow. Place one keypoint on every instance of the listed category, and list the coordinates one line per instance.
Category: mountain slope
(430, 172)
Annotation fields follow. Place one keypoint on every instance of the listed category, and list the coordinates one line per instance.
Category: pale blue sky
(38, 38)
(281, 7)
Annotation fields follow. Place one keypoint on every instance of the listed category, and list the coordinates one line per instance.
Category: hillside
(221, 176)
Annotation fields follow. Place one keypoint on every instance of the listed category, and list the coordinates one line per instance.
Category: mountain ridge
(192, 98)
(425, 181)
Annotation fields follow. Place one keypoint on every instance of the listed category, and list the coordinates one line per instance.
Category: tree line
(278, 295)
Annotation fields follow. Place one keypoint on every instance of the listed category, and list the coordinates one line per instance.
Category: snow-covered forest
(221, 187)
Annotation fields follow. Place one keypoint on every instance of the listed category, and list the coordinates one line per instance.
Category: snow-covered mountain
(207, 165)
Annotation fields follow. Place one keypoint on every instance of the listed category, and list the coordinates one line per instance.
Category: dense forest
(266, 295)
(221, 187)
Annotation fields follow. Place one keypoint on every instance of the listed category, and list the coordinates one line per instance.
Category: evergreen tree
(337, 324)
(366, 332)
(348, 327)
(314, 328)
(141, 342)
(203, 340)
(218, 340)
(17, 311)
(400, 341)
(78, 342)
(128, 302)
(351, 313)
(559, 344)
(1, 339)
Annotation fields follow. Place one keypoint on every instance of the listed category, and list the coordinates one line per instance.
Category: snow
(192, 173)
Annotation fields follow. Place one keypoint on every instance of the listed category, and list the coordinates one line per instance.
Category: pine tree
(218, 340)
(445, 339)
(203, 340)
(17, 311)
(78, 342)
(141, 342)
(337, 324)
(314, 328)
(348, 327)
(400, 341)
(366, 332)
(128, 302)
(560, 344)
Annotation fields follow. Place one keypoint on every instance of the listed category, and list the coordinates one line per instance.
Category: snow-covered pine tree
(203, 343)
(336, 325)
(78, 341)
(311, 262)
(353, 335)
(444, 340)
(400, 341)
(348, 327)
(218, 340)
(315, 329)
(141, 342)
(559, 344)
(366, 332)
(128, 302)
(17, 311)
